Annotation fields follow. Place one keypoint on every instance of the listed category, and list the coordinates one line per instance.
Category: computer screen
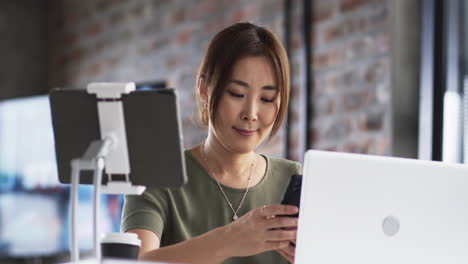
(34, 206)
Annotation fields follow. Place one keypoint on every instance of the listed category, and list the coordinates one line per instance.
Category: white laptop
(370, 210)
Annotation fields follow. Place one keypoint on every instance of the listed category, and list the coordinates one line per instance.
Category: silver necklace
(235, 217)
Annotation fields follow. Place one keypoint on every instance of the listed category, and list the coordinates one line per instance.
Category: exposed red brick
(147, 49)
(331, 58)
(380, 18)
(124, 36)
(70, 40)
(112, 62)
(325, 107)
(183, 37)
(215, 25)
(333, 32)
(355, 101)
(322, 13)
(372, 121)
(70, 59)
(383, 42)
(174, 61)
(179, 16)
(72, 19)
(137, 11)
(116, 18)
(153, 45)
(350, 26)
(103, 5)
(372, 73)
(361, 48)
(103, 45)
(238, 16)
(356, 147)
(93, 29)
(381, 146)
(320, 60)
(204, 7)
(347, 5)
(74, 57)
(329, 148)
(338, 130)
(251, 11)
(268, 7)
(94, 69)
(86, 13)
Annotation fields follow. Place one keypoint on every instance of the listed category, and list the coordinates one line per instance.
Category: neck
(226, 164)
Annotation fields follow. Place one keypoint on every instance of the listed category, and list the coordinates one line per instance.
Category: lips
(245, 132)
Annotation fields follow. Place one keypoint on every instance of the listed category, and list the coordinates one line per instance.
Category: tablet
(152, 127)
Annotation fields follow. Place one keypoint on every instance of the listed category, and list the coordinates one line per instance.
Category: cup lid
(121, 238)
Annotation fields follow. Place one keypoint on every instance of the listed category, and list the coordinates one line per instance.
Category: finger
(274, 245)
(278, 209)
(280, 235)
(288, 253)
(289, 223)
(285, 255)
(290, 250)
(282, 253)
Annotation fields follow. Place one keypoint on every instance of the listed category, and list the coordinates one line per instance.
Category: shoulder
(284, 166)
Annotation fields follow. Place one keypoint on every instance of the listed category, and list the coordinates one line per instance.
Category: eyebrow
(246, 85)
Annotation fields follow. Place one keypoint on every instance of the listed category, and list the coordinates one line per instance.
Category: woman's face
(248, 105)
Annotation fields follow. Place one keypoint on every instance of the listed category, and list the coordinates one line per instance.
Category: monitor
(34, 205)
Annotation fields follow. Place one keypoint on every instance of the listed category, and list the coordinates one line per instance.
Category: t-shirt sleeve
(145, 211)
(297, 168)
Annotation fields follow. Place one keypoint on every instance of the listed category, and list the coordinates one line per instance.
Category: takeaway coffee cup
(120, 245)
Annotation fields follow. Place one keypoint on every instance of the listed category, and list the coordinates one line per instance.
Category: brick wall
(105, 40)
(108, 40)
(351, 69)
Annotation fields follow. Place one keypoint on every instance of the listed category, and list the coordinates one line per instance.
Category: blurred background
(381, 77)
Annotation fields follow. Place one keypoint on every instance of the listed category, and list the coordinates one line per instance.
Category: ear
(203, 90)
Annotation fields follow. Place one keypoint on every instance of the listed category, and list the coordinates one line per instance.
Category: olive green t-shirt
(176, 215)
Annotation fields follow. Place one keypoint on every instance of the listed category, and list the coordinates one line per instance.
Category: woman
(226, 212)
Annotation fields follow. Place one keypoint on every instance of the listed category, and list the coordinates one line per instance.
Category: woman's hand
(260, 230)
(288, 252)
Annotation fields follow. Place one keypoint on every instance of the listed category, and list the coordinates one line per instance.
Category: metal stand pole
(93, 159)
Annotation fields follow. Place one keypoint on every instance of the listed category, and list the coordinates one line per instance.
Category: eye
(236, 94)
(267, 100)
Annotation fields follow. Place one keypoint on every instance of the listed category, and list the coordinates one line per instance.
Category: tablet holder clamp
(110, 153)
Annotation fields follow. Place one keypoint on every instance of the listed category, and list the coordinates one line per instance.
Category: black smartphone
(292, 195)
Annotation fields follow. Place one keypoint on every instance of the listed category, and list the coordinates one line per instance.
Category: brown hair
(225, 49)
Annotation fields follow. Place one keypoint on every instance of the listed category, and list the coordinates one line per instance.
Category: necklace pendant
(235, 217)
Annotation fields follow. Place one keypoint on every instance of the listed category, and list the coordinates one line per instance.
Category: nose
(250, 111)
